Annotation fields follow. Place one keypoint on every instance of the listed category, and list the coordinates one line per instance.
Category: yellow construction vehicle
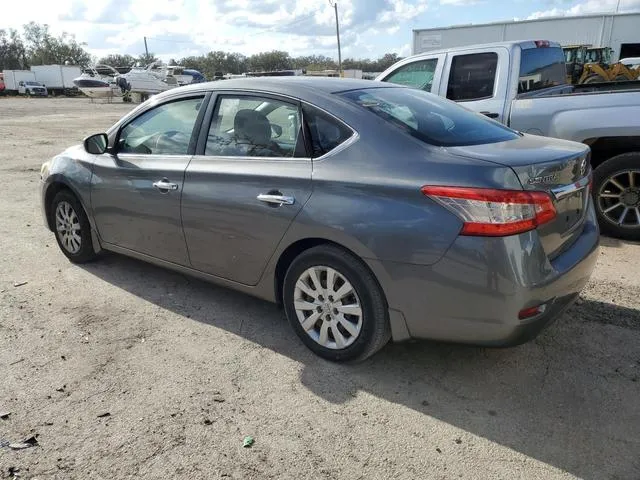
(574, 61)
(588, 64)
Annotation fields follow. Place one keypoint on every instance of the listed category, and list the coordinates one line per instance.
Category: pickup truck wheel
(616, 195)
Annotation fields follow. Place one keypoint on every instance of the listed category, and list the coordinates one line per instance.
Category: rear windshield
(430, 118)
(541, 68)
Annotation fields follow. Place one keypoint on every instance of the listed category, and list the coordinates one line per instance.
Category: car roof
(296, 86)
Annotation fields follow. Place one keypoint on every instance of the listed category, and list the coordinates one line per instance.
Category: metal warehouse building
(620, 31)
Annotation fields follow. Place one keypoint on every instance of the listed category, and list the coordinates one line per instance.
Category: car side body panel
(73, 169)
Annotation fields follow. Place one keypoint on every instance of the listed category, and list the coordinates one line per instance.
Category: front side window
(430, 118)
(417, 74)
(326, 132)
(255, 127)
(472, 76)
(165, 130)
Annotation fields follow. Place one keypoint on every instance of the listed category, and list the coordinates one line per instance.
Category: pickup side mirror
(96, 144)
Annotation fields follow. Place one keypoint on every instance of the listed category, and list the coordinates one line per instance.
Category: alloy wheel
(327, 307)
(68, 227)
(619, 198)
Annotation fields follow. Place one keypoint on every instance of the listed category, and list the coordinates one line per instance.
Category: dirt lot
(186, 370)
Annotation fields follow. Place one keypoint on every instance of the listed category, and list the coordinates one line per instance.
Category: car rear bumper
(475, 292)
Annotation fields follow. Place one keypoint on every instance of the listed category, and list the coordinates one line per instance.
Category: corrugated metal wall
(602, 30)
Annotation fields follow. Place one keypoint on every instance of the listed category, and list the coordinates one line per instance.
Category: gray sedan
(369, 211)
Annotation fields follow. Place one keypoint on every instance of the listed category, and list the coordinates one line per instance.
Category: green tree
(13, 54)
(314, 62)
(117, 60)
(387, 60)
(269, 61)
(43, 48)
(147, 59)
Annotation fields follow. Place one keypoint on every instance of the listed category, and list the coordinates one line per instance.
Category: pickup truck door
(478, 80)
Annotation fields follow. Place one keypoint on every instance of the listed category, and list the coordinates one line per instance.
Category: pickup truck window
(541, 68)
(430, 118)
(416, 74)
(472, 76)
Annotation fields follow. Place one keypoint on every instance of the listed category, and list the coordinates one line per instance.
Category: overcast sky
(369, 28)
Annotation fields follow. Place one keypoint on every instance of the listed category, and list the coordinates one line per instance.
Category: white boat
(99, 81)
(149, 80)
(103, 81)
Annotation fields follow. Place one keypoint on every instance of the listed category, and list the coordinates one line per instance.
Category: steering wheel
(169, 135)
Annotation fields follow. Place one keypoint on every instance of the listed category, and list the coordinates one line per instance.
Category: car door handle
(276, 199)
(165, 184)
(490, 114)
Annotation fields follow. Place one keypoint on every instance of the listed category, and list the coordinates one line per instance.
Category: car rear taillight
(494, 213)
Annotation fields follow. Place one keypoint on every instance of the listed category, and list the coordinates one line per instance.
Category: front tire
(616, 195)
(72, 228)
(594, 79)
(335, 305)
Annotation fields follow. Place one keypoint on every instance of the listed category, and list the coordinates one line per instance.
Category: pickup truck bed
(523, 85)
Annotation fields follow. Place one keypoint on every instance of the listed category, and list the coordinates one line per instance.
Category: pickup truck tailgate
(558, 167)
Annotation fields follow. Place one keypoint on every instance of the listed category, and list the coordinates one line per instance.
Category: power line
(294, 22)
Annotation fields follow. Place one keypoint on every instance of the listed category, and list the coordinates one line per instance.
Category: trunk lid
(558, 167)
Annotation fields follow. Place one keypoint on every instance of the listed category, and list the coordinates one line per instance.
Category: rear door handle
(490, 114)
(165, 184)
(276, 199)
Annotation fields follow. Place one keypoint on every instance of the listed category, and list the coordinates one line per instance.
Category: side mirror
(96, 144)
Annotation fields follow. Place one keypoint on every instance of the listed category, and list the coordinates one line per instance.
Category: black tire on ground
(375, 330)
(594, 79)
(85, 252)
(619, 165)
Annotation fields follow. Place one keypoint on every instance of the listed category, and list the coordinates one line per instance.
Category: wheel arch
(604, 148)
(55, 186)
(292, 251)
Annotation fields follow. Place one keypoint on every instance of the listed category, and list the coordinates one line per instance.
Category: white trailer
(57, 78)
(12, 79)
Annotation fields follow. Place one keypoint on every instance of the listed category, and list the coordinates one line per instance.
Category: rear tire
(619, 171)
(347, 316)
(72, 228)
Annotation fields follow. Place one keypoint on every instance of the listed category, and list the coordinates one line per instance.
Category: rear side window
(541, 68)
(326, 132)
(430, 118)
(416, 74)
(472, 77)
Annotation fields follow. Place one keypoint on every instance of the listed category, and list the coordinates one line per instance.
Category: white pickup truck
(523, 85)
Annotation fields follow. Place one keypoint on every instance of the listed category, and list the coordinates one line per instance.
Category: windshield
(33, 83)
(430, 118)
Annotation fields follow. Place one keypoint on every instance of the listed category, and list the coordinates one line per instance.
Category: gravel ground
(125, 370)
